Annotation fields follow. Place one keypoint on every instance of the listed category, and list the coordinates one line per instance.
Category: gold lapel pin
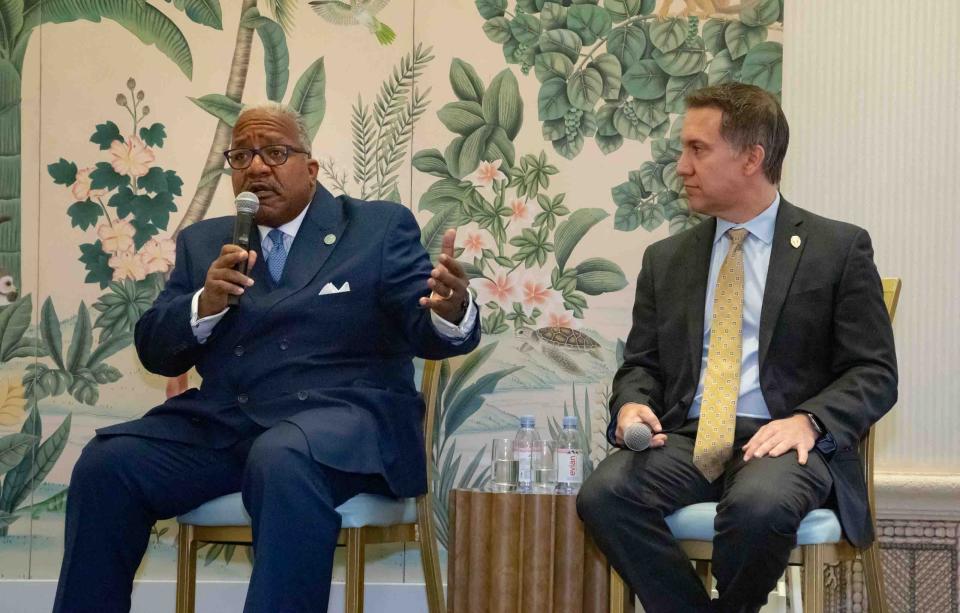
(795, 241)
(329, 239)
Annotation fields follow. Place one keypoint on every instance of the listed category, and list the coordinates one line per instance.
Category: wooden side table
(523, 553)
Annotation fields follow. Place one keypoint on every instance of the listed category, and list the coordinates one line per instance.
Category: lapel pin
(795, 241)
(329, 239)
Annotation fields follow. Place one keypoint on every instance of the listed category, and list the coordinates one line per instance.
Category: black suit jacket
(337, 365)
(826, 342)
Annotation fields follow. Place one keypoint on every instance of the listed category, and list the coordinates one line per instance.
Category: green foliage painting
(618, 71)
(521, 254)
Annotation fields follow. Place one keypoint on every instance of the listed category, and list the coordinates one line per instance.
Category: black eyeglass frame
(258, 151)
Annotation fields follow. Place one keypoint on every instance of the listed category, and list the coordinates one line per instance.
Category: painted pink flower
(473, 244)
(116, 238)
(81, 187)
(132, 157)
(501, 291)
(521, 212)
(560, 320)
(486, 173)
(158, 255)
(127, 265)
(535, 294)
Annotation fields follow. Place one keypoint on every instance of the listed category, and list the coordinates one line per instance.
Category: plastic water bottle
(569, 457)
(523, 451)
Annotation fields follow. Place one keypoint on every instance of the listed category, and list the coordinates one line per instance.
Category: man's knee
(758, 510)
(275, 454)
(99, 463)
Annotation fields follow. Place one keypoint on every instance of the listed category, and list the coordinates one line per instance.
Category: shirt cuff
(454, 332)
(202, 327)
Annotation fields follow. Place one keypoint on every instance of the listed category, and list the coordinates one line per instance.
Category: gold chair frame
(812, 558)
(355, 539)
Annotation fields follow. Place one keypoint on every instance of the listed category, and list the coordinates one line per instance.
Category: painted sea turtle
(555, 341)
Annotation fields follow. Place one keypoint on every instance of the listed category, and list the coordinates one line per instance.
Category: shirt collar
(291, 227)
(761, 226)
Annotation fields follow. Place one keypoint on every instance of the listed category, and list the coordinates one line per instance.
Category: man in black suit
(765, 419)
(307, 397)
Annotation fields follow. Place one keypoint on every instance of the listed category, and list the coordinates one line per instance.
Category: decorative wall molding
(917, 496)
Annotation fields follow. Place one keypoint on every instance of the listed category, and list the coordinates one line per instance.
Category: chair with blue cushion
(819, 540)
(367, 520)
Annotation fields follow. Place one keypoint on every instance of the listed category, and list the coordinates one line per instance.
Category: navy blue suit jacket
(339, 366)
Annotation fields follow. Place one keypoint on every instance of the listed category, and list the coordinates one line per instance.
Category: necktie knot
(278, 254)
(737, 236)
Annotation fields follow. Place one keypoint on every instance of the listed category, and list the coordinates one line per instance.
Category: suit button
(301, 395)
(284, 345)
(238, 350)
(242, 398)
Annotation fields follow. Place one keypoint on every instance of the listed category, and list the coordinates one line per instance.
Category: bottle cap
(527, 421)
(569, 421)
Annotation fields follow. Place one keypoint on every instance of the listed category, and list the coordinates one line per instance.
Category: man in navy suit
(307, 397)
(811, 368)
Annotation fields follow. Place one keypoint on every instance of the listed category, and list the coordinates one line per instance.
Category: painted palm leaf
(142, 20)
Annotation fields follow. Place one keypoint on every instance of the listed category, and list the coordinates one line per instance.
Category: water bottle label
(526, 465)
(569, 466)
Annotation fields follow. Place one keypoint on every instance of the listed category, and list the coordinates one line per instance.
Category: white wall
(871, 91)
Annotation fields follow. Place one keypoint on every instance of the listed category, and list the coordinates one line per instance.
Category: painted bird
(356, 12)
(8, 290)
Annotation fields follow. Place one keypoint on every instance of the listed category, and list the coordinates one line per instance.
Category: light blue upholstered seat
(360, 511)
(695, 523)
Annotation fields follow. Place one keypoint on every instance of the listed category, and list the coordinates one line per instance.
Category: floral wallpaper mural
(545, 132)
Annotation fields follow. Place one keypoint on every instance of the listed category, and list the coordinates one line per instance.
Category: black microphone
(247, 204)
(637, 436)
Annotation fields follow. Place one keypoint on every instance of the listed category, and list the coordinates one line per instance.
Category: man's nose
(257, 165)
(684, 168)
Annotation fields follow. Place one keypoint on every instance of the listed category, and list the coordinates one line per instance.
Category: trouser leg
(120, 486)
(292, 503)
(763, 503)
(623, 505)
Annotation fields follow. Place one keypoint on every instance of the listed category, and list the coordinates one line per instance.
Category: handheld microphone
(247, 204)
(637, 436)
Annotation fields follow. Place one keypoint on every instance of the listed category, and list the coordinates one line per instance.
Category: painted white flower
(158, 255)
(486, 173)
(81, 187)
(127, 266)
(132, 157)
(116, 237)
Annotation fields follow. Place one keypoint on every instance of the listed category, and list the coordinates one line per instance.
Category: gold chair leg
(703, 571)
(429, 557)
(873, 573)
(813, 585)
(186, 569)
(353, 596)
(621, 599)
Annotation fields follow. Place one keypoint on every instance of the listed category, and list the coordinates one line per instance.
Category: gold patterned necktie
(721, 387)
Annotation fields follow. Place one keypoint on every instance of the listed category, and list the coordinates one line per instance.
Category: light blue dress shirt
(756, 261)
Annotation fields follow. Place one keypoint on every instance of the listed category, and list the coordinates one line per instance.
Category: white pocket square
(330, 288)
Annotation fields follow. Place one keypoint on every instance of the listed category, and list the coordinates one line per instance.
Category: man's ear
(753, 160)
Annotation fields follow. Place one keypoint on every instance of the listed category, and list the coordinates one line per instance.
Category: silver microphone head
(637, 436)
(247, 202)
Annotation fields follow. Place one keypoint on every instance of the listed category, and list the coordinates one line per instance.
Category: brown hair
(751, 116)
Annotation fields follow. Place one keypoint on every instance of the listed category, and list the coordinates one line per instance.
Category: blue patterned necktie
(277, 256)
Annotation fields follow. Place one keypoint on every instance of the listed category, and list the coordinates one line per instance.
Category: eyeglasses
(272, 155)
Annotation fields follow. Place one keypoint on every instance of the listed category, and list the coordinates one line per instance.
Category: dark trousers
(122, 485)
(760, 506)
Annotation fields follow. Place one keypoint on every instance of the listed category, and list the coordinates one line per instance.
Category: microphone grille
(247, 202)
(637, 436)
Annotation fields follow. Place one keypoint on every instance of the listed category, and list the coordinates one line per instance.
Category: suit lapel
(784, 257)
(310, 248)
(696, 269)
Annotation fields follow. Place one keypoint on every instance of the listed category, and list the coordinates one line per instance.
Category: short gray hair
(281, 110)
